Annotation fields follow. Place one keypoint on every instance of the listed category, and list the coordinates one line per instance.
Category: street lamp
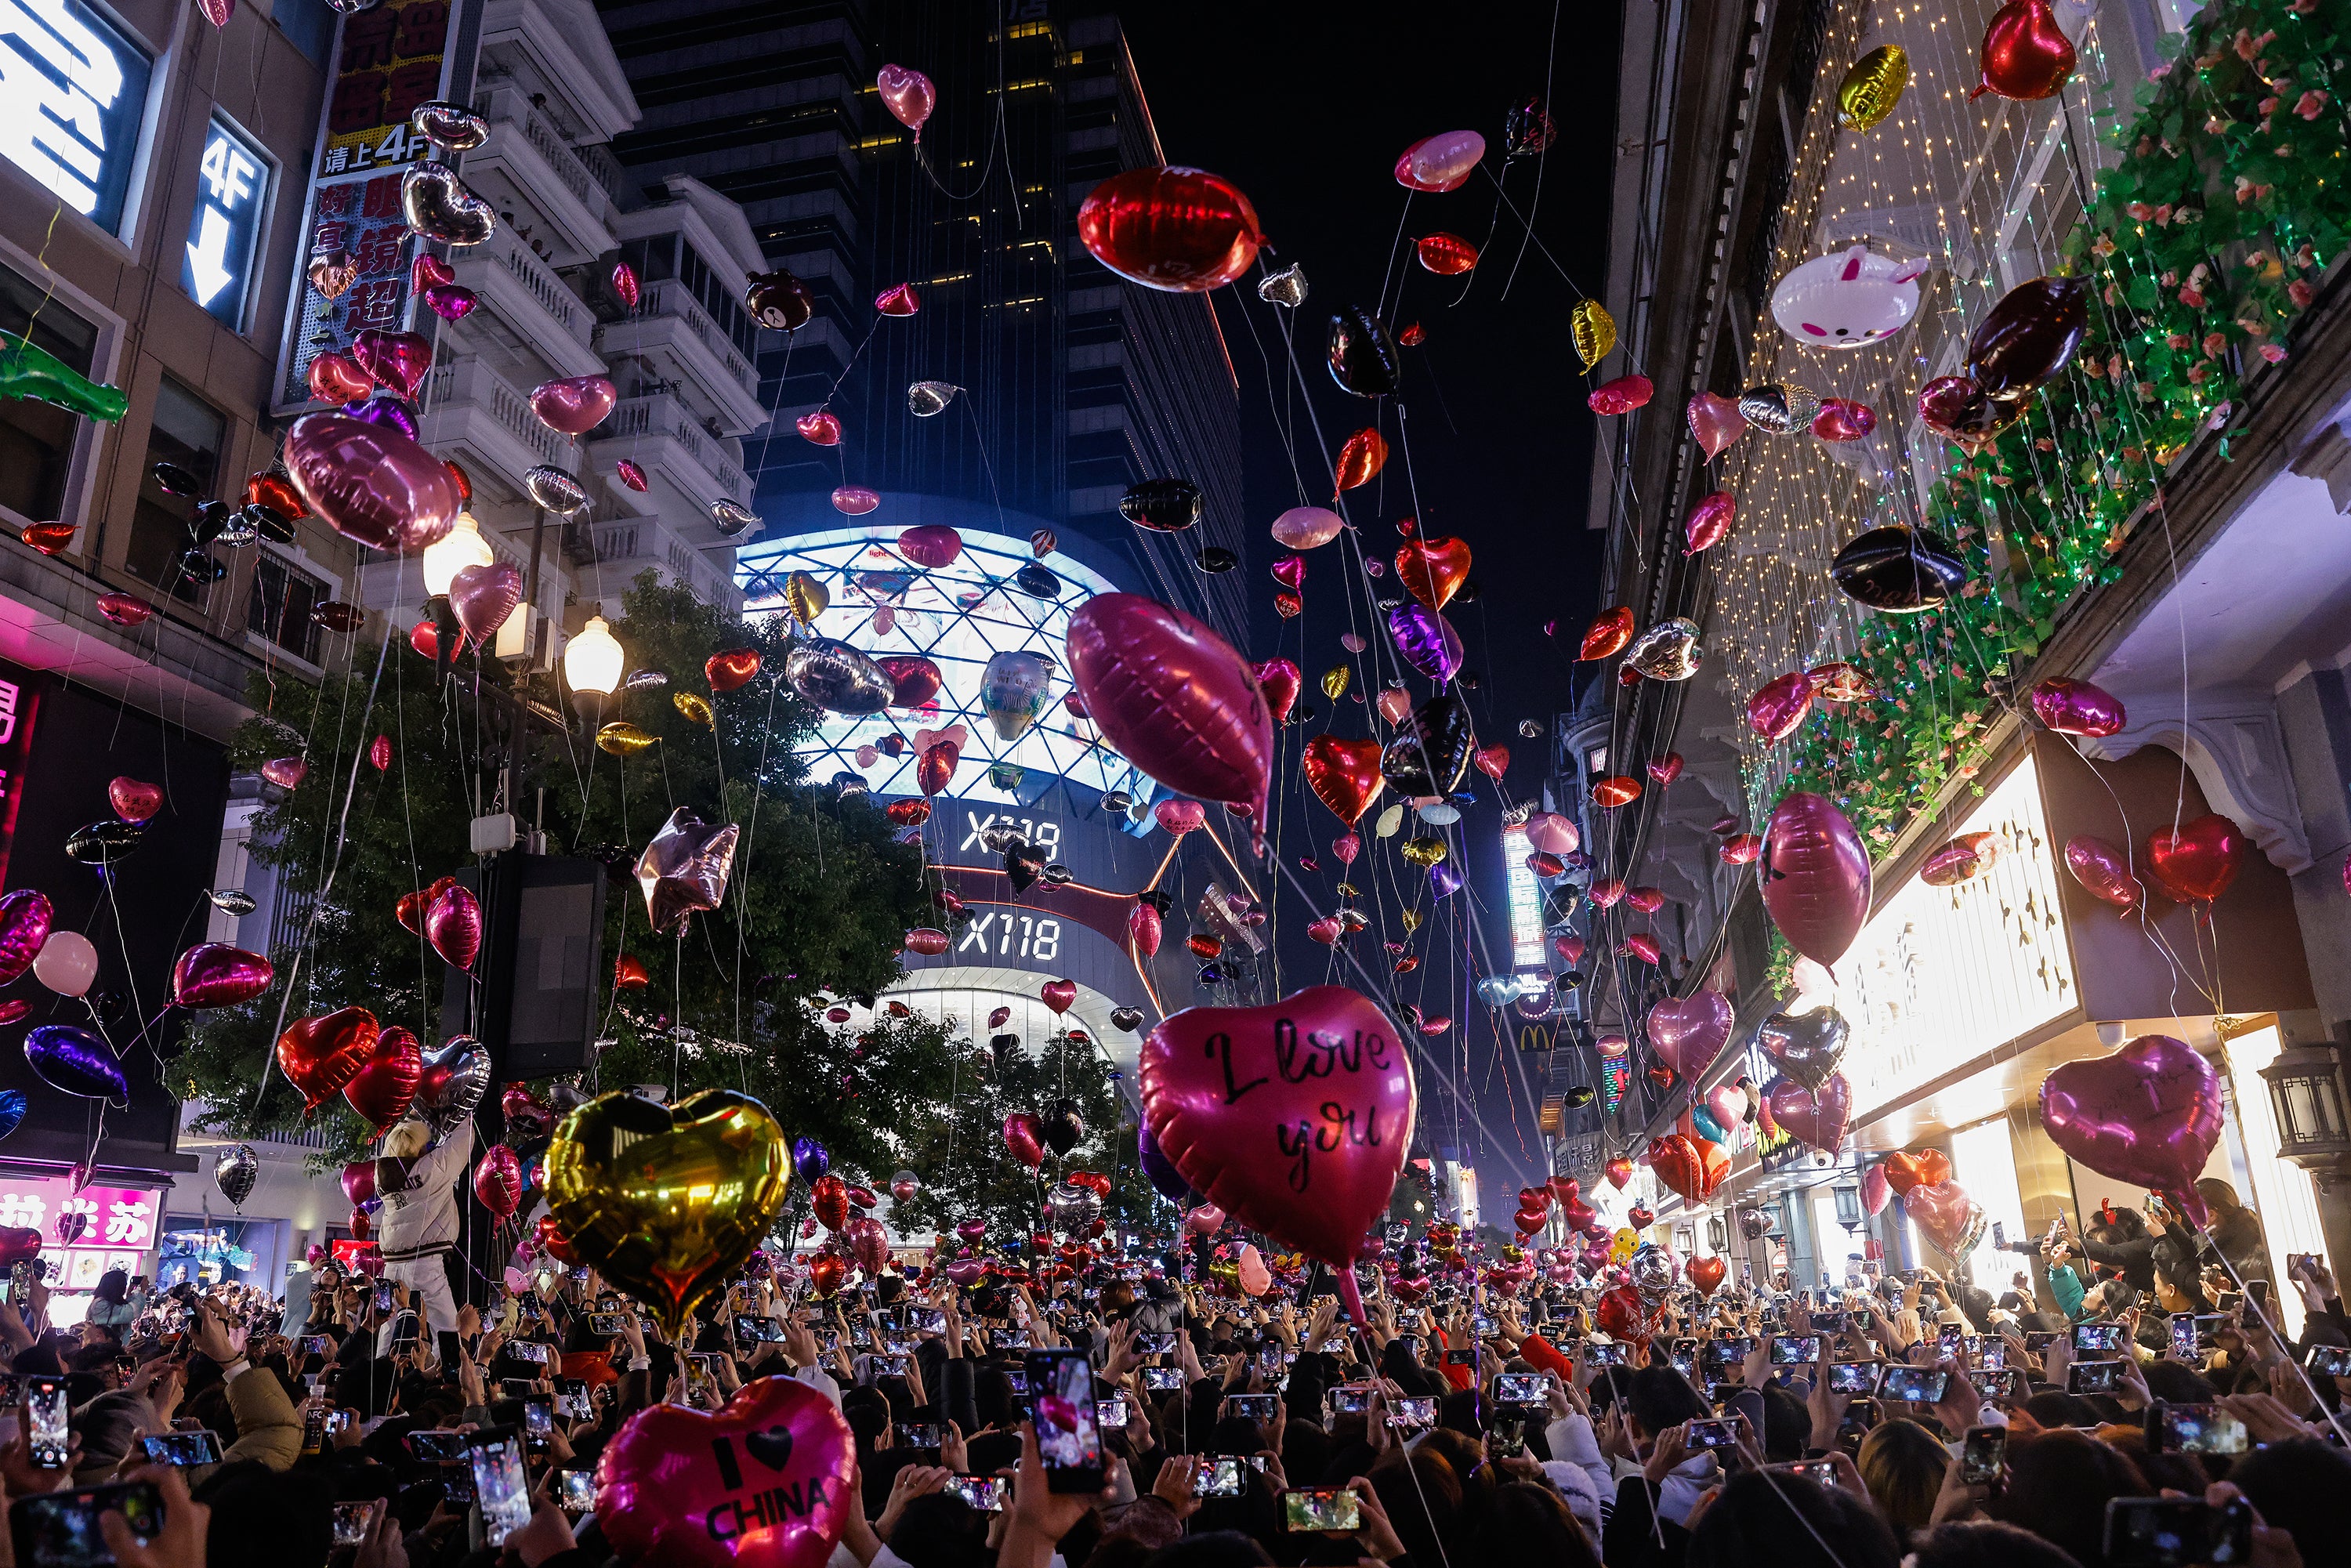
(461, 547)
(1717, 1236)
(592, 660)
(1848, 1207)
(2307, 1096)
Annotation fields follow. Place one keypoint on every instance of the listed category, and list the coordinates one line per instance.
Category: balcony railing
(645, 541)
(470, 381)
(673, 299)
(545, 287)
(637, 418)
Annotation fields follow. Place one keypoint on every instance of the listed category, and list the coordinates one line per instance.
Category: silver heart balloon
(730, 519)
(838, 677)
(438, 206)
(998, 837)
(450, 125)
(1808, 1046)
(233, 900)
(1780, 408)
(925, 399)
(1073, 1208)
(646, 680)
(555, 489)
(456, 1075)
(234, 1170)
(1287, 287)
(1667, 650)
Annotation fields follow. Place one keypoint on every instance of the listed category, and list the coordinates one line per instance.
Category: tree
(819, 898)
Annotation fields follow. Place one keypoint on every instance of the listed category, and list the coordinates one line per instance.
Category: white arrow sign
(208, 255)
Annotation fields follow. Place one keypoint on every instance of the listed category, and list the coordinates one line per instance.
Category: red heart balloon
(1622, 1316)
(1057, 995)
(1818, 1119)
(1815, 876)
(1173, 699)
(2196, 862)
(1606, 636)
(1023, 1137)
(1705, 1273)
(1432, 570)
(428, 272)
(1927, 1167)
(557, 1245)
(1343, 774)
(1667, 769)
(826, 1272)
(1277, 680)
(397, 361)
(828, 1201)
(384, 1088)
(730, 669)
(320, 1055)
(1951, 1219)
(339, 379)
(1619, 1172)
(1640, 1216)
(1565, 1188)
(134, 801)
(1691, 1166)
(452, 924)
(497, 1180)
(1295, 1117)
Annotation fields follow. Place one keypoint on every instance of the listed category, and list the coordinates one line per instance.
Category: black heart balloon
(1807, 1046)
(109, 843)
(1215, 560)
(1126, 1019)
(1956, 409)
(1578, 1096)
(1038, 581)
(1405, 767)
(1163, 506)
(1159, 899)
(1446, 740)
(1061, 1126)
(1362, 355)
(1898, 569)
(1022, 866)
(2029, 336)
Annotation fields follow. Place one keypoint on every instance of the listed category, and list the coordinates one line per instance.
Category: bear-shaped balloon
(1848, 299)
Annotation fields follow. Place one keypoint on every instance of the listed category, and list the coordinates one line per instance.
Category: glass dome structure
(994, 598)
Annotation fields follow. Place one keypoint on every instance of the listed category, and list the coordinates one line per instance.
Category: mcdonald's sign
(1536, 1034)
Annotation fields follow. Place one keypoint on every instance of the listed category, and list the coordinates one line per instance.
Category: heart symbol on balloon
(1295, 1117)
(332, 273)
(733, 667)
(1667, 769)
(1057, 995)
(1691, 1166)
(1951, 1219)
(821, 428)
(134, 800)
(483, 597)
(672, 1486)
(1815, 1118)
(339, 378)
(320, 1055)
(1179, 817)
(1326, 930)
(1727, 1103)
(2149, 1114)
(1640, 1217)
(1927, 1167)
(428, 271)
(622, 1211)
(385, 1087)
(1689, 1032)
(1619, 1172)
(1343, 774)
(1808, 1046)
(372, 483)
(451, 301)
(396, 361)
(2196, 862)
(215, 974)
(1432, 570)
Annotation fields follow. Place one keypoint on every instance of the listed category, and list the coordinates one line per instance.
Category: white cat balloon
(1847, 299)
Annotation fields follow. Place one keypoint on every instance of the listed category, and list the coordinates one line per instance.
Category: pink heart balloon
(762, 1482)
(1727, 1103)
(1779, 706)
(484, 596)
(1875, 1190)
(1709, 520)
(451, 301)
(215, 974)
(370, 483)
(1816, 1119)
(134, 800)
(854, 500)
(1057, 995)
(632, 474)
(397, 361)
(1326, 930)
(1716, 421)
(1396, 706)
(821, 427)
(1173, 699)
(1951, 1219)
(1553, 834)
(1179, 817)
(2149, 1114)
(907, 94)
(25, 917)
(452, 924)
(1295, 1117)
(574, 405)
(1815, 876)
(1689, 1032)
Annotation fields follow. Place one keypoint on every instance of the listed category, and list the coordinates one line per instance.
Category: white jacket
(421, 1217)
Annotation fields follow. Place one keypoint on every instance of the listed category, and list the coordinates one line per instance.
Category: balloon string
(1542, 158)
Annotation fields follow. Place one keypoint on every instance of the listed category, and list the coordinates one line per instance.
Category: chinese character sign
(387, 60)
(118, 1230)
(20, 701)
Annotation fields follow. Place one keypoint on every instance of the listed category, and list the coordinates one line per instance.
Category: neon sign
(72, 93)
(227, 225)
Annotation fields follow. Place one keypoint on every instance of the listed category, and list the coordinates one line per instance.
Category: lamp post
(2310, 1102)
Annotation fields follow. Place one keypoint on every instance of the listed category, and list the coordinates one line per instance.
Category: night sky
(1307, 109)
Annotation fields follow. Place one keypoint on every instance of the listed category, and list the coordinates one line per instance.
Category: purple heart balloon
(1688, 1033)
(387, 410)
(1443, 879)
(1165, 1179)
(482, 596)
(1427, 639)
(1816, 1119)
(370, 483)
(2148, 1115)
(25, 919)
(451, 301)
(75, 1061)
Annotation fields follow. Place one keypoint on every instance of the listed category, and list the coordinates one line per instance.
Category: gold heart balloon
(807, 598)
(669, 1201)
(694, 708)
(1593, 331)
(622, 738)
(1425, 851)
(1411, 920)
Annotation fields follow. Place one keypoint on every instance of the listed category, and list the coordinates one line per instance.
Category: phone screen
(2199, 1429)
(183, 1448)
(1795, 1350)
(579, 1490)
(48, 1418)
(1713, 1434)
(436, 1445)
(1413, 1413)
(1068, 1435)
(1521, 1388)
(985, 1493)
(383, 1297)
(1915, 1384)
(1980, 1457)
(1852, 1376)
(354, 1519)
(1251, 1406)
(2172, 1532)
(539, 1418)
(2104, 1338)
(500, 1486)
(2330, 1361)
(2094, 1377)
(59, 1530)
(1322, 1508)
(1163, 1379)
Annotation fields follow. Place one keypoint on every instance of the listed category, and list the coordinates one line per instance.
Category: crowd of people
(1910, 1420)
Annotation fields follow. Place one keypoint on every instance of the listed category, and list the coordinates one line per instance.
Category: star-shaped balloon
(685, 868)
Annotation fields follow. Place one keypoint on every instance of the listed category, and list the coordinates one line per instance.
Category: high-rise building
(1064, 387)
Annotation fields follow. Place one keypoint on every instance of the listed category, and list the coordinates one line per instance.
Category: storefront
(84, 1234)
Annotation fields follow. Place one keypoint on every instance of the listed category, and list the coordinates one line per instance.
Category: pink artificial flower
(2140, 211)
(2273, 353)
(2176, 341)
(2215, 343)
(2310, 104)
(2268, 107)
(2299, 292)
(2196, 375)
(2192, 297)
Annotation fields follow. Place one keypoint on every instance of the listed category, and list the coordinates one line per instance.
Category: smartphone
(572, 1400)
(880, 1366)
(2103, 1338)
(1993, 1355)
(607, 1323)
(1915, 1384)
(516, 1387)
(1819, 1470)
(577, 1493)
(1411, 1343)
(1982, 1455)
(1852, 1376)
(1068, 1435)
(383, 1296)
(1220, 1476)
(318, 1344)
(1155, 1341)
(1481, 1324)
(501, 1488)
(2175, 1533)
(183, 1448)
(437, 1446)
(2004, 1383)
(1322, 1508)
(538, 1420)
(1714, 1434)
(1795, 1350)
(1683, 1355)
(1413, 1413)
(2094, 1377)
(2183, 1337)
(2330, 1361)
(1016, 1378)
(405, 1328)
(1461, 1357)
(531, 1350)
(60, 1529)
(1254, 1407)
(2194, 1429)
(757, 1331)
(925, 1320)
(1522, 1388)
(2257, 1292)
(1111, 1413)
(985, 1493)
(1605, 1353)
(1008, 1338)
(354, 1519)
(2039, 1340)
(1729, 1352)
(48, 1421)
(1162, 1379)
